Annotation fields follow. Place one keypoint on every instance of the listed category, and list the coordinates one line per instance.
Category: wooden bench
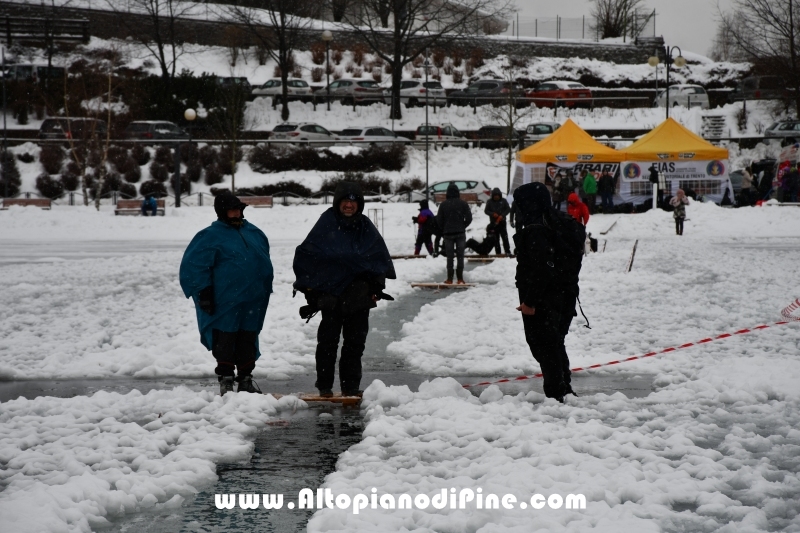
(44, 203)
(134, 207)
(469, 197)
(257, 201)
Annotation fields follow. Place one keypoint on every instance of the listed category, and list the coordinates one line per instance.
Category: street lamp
(327, 36)
(427, 66)
(679, 62)
(189, 115)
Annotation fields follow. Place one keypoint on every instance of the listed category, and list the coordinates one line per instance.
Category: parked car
(304, 131)
(296, 90)
(229, 82)
(561, 94)
(495, 137)
(784, 130)
(36, 73)
(72, 128)
(413, 93)
(443, 135)
(495, 92)
(355, 91)
(374, 135)
(759, 88)
(154, 130)
(683, 95)
(483, 191)
(538, 131)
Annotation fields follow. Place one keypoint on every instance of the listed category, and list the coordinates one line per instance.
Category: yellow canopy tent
(569, 143)
(569, 148)
(670, 141)
(681, 158)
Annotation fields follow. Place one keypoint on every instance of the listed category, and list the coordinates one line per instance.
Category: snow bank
(694, 456)
(74, 464)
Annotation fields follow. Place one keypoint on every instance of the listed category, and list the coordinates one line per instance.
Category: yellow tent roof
(569, 143)
(670, 141)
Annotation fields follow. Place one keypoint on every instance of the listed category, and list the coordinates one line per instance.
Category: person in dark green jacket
(227, 271)
(590, 189)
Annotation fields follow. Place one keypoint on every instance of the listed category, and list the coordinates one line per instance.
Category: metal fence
(642, 24)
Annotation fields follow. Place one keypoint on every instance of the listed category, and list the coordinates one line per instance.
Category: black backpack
(432, 227)
(570, 246)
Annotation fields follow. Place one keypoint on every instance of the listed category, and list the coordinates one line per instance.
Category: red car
(561, 94)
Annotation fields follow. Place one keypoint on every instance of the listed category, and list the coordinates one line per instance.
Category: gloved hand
(205, 300)
(415, 220)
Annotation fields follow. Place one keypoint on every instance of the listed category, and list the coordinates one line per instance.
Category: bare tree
(161, 36)
(414, 25)
(511, 113)
(615, 18)
(767, 33)
(279, 27)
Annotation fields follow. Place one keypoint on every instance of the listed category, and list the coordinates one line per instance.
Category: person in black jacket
(498, 210)
(453, 219)
(341, 268)
(544, 287)
(605, 187)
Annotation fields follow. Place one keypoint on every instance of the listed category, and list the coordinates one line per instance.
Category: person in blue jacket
(227, 271)
(149, 206)
(341, 268)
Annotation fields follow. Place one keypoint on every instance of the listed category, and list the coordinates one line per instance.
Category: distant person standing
(577, 209)
(747, 184)
(654, 180)
(498, 210)
(679, 202)
(453, 219)
(424, 220)
(590, 190)
(606, 188)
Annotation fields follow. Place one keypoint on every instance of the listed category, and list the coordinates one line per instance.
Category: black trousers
(353, 329)
(679, 225)
(545, 332)
(234, 350)
(501, 230)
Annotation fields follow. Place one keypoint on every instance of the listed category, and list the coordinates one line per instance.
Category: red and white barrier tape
(791, 308)
(787, 313)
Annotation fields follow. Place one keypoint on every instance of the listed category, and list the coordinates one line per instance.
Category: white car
(683, 95)
(439, 135)
(296, 90)
(536, 132)
(372, 135)
(480, 188)
(413, 93)
(313, 134)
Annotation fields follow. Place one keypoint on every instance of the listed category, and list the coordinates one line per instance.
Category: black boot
(246, 384)
(225, 384)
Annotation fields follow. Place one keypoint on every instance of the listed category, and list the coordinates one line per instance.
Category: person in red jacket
(577, 209)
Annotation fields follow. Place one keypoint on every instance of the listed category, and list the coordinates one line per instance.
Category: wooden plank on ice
(434, 285)
(409, 256)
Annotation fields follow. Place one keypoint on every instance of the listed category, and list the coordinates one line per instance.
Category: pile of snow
(74, 464)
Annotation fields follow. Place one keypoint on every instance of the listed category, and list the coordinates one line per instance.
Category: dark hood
(532, 200)
(348, 189)
(452, 191)
(226, 201)
(497, 192)
(423, 204)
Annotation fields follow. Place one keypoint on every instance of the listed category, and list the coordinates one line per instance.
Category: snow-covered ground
(713, 448)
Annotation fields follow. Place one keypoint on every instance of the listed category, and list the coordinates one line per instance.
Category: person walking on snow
(679, 202)
(341, 268)
(577, 209)
(549, 253)
(453, 219)
(498, 210)
(590, 190)
(424, 221)
(227, 271)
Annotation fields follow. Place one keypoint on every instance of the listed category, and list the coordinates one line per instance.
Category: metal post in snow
(177, 163)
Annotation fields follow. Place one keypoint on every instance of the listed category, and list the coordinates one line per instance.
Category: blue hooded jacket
(236, 262)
